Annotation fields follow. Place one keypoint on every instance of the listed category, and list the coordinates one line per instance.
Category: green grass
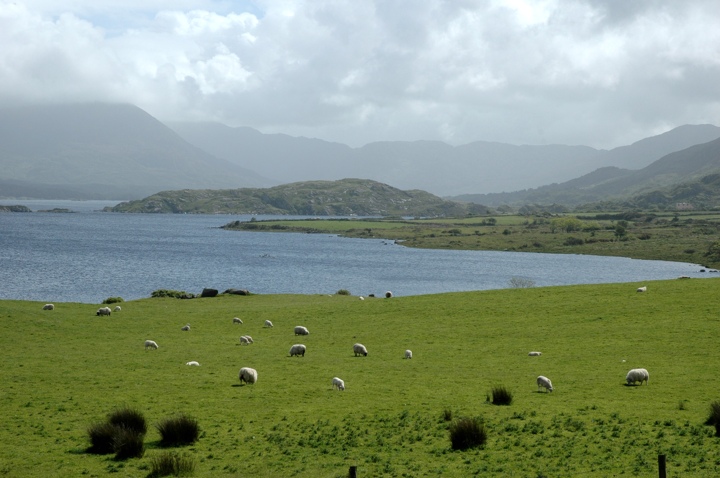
(66, 369)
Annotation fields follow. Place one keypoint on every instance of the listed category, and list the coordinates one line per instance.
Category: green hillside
(67, 368)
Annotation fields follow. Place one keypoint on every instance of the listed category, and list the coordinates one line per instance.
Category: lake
(88, 256)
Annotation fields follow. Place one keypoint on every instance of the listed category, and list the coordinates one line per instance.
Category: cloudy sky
(603, 73)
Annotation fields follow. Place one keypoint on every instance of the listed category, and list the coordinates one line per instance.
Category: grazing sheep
(236, 320)
(300, 330)
(246, 340)
(545, 383)
(362, 298)
(249, 339)
(388, 294)
(118, 308)
(196, 364)
(360, 349)
(49, 307)
(408, 354)
(297, 349)
(248, 375)
(534, 354)
(637, 375)
(103, 311)
(642, 289)
(338, 383)
(186, 327)
(151, 344)
(268, 323)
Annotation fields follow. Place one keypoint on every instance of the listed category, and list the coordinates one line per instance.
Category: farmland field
(67, 369)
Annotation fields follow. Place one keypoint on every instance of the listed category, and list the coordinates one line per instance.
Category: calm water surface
(88, 256)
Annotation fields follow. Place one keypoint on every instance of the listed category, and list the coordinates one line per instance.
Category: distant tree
(620, 232)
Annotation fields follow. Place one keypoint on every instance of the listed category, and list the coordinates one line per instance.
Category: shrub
(343, 292)
(127, 443)
(467, 433)
(171, 463)
(113, 300)
(714, 417)
(101, 438)
(447, 414)
(573, 241)
(176, 294)
(128, 418)
(500, 395)
(181, 430)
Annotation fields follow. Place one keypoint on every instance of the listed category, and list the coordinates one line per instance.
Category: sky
(602, 73)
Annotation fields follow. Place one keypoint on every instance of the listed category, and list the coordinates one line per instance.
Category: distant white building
(684, 206)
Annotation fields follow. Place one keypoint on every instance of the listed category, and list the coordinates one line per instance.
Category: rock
(209, 293)
(237, 291)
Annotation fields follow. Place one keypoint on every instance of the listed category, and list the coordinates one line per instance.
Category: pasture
(67, 368)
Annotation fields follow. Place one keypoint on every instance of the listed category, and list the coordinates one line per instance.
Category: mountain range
(118, 151)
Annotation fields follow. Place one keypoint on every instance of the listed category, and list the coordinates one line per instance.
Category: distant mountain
(478, 167)
(345, 197)
(615, 184)
(103, 151)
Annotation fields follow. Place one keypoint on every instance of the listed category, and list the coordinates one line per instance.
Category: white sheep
(118, 308)
(186, 327)
(360, 349)
(545, 383)
(248, 375)
(297, 349)
(246, 340)
(637, 375)
(300, 330)
(362, 298)
(338, 383)
(642, 289)
(151, 344)
(388, 294)
(103, 311)
(194, 363)
(237, 320)
(268, 323)
(49, 307)
(534, 354)
(408, 354)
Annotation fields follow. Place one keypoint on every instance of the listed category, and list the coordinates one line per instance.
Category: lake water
(88, 256)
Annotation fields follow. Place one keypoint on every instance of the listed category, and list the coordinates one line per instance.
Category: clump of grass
(171, 463)
(466, 433)
(128, 443)
(500, 395)
(343, 292)
(714, 417)
(113, 300)
(129, 418)
(178, 431)
(447, 415)
(101, 438)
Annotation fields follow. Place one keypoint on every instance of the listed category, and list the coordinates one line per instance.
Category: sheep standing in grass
(388, 294)
(408, 354)
(297, 349)
(236, 320)
(193, 363)
(338, 383)
(248, 375)
(118, 308)
(300, 330)
(637, 375)
(534, 354)
(642, 289)
(186, 327)
(151, 344)
(246, 340)
(545, 383)
(360, 349)
(268, 323)
(103, 311)
(49, 307)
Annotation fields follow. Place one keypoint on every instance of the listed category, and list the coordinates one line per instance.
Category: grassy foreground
(67, 368)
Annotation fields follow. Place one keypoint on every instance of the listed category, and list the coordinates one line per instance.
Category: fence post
(353, 472)
(661, 466)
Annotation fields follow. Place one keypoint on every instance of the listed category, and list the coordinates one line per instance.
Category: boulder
(209, 293)
(237, 291)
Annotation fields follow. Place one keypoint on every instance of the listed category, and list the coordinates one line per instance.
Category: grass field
(66, 369)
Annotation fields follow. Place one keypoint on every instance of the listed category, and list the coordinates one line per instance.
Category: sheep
(408, 354)
(249, 339)
(248, 375)
(103, 311)
(388, 294)
(360, 349)
(237, 320)
(246, 340)
(193, 362)
(118, 308)
(268, 323)
(362, 298)
(186, 327)
(534, 354)
(642, 289)
(297, 349)
(545, 383)
(151, 344)
(338, 383)
(637, 375)
(300, 330)
(49, 307)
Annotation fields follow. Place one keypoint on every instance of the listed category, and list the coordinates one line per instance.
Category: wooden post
(353, 472)
(661, 466)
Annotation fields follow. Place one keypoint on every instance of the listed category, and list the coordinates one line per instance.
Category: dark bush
(467, 433)
(113, 300)
(343, 292)
(714, 417)
(573, 241)
(176, 294)
(171, 463)
(101, 438)
(128, 443)
(128, 418)
(177, 431)
(447, 414)
(500, 396)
